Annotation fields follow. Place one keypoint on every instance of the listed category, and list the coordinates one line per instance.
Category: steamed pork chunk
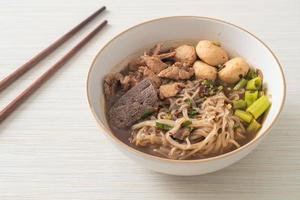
(177, 72)
(170, 90)
(154, 63)
(151, 75)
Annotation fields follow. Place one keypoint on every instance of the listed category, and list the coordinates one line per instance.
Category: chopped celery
(259, 106)
(254, 126)
(241, 84)
(243, 115)
(239, 104)
(254, 84)
(250, 97)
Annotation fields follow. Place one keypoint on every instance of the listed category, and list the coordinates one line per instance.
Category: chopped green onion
(219, 67)
(220, 88)
(186, 123)
(254, 126)
(192, 113)
(250, 97)
(190, 128)
(241, 84)
(217, 43)
(163, 126)
(259, 106)
(168, 116)
(208, 83)
(243, 115)
(251, 74)
(239, 104)
(147, 113)
(254, 84)
(189, 102)
(236, 126)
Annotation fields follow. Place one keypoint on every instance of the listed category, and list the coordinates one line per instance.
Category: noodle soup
(186, 102)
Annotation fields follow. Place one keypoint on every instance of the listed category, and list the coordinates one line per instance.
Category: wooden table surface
(51, 148)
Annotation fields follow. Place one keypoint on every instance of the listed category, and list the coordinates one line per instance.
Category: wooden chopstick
(48, 74)
(44, 53)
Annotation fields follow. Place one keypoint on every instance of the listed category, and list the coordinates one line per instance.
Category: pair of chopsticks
(53, 69)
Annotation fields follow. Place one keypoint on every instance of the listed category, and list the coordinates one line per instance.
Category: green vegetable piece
(163, 126)
(259, 106)
(192, 113)
(250, 97)
(254, 84)
(217, 43)
(251, 74)
(239, 104)
(168, 116)
(241, 84)
(220, 88)
(147, 113)
(236, 126)
(186, 123)
(189, 102)
(253, 127)
(208, 83)
(243, 115)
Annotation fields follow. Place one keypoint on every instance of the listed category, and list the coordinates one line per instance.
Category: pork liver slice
(133, 104)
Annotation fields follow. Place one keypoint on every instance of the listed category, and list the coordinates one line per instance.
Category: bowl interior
(235, 41)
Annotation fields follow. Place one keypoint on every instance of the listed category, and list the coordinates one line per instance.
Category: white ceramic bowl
(233, 38)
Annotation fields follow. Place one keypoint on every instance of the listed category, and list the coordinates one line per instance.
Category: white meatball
(211, 53)
(204, 71)
(186, 54)
(233, 70)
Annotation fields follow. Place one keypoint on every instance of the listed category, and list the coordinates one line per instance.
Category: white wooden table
(51, 148)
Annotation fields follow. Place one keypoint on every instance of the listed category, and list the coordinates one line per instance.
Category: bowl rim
(255, 140)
